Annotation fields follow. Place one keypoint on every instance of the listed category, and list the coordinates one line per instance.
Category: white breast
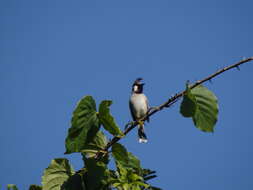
(139, 105)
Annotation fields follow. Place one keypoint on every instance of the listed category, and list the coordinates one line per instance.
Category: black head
(137, 86)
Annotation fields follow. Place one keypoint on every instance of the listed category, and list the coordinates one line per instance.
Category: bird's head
(137, 86)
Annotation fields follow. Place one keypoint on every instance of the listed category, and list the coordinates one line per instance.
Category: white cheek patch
(135, 88)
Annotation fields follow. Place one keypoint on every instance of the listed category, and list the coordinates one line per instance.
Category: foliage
(107, 120)
(12, 187)
(35, 187)
(56, 174)
(85, 125)
(85, 136)
(201, 105)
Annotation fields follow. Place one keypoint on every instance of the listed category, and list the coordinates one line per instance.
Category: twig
(170, 102)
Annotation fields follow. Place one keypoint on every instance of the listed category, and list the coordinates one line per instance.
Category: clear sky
(53, 52)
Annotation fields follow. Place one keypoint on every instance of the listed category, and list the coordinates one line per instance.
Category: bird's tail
(141, 134)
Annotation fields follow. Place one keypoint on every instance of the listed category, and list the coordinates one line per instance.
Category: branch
(170, 102)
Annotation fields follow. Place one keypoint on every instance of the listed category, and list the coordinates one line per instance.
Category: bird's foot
(141, 123)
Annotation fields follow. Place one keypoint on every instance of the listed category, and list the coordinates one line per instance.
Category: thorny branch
(168, 103)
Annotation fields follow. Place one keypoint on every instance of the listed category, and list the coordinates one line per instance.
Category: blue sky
(54, 52)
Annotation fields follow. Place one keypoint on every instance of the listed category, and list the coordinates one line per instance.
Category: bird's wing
(132, 110)
(146, 100)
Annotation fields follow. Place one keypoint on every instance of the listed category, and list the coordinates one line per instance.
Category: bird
(139, 107)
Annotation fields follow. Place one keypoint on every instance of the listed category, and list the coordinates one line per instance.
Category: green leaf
(128, 178)
(154, 188)
(35, 187)
(56, 174)
(207, 110)
(126, 159)
(12, 187)
(85, 125)
(126, 186)
(122, 171)
(98, 143)
(148, 174)
(133, 162)
(189, 105)
(202, 106)
(107, 120)
(96, 174)
(120, 153)
(134, 177)
(140, 184)
(74, 182)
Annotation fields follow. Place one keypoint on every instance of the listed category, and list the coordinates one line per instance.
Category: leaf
(95, 175)
(154, 188)
(126, 159)
(85, 125)
(140, 184)
(98, 143)
(12, 187)
(120, 153)
(74, 182)
(128, 179)
(133, 162)
(35, 187)
(148, 174)
(134, 177)
(107, 120)
(207, 109)
(189, 105)
(126, 186)
(205, 114)
(56, 174)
